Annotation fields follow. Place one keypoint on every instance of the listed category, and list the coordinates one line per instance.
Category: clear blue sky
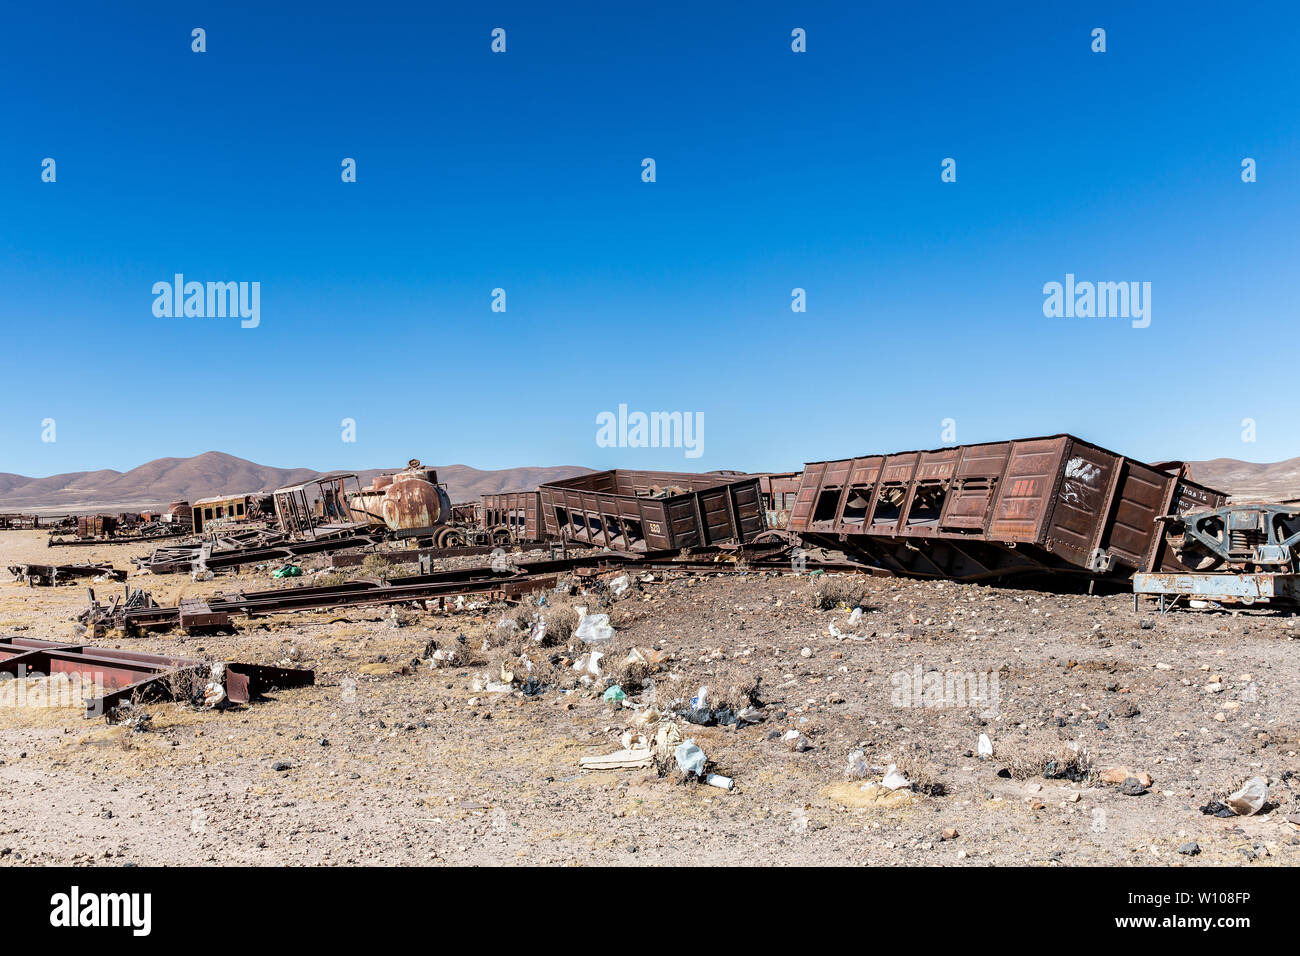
(775, 170)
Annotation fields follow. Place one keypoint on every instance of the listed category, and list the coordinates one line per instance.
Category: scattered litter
(620, 584)
(690, 758)
(593, 627)
(614, 694)
(718, 780)
(858, 766)
(288, 571)
(1250, 799)
(797, 741)
(588, 665)
(625, 759)
(895, 780)
(985, 747)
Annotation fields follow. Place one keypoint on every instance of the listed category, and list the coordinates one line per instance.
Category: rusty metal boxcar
(647, 511)
(979, 511)
(512, 516)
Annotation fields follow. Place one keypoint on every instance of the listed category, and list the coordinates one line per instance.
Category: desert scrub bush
(829, 591)
(376, 566)
(1044, 757)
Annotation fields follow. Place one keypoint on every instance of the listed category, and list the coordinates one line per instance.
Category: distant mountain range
(1277, 481)
(215, 473)
(165, 480)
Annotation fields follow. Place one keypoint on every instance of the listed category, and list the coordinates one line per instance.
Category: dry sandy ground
(428, 767)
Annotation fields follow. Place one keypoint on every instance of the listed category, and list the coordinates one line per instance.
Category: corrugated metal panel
(1024, 499)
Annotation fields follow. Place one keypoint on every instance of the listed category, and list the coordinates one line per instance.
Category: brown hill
(1271, 481)
(215, 473)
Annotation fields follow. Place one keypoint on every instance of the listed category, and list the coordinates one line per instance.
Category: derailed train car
(646, 511)
(972, 512)
(513, 516)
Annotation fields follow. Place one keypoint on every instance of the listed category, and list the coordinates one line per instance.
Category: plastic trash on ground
(593, 627)
(895, 780)
(1250, 799)
(690, 758)
(858, 766)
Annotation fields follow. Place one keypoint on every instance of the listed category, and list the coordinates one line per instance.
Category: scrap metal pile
(1043, 507)
(49, 575)
(114, 676)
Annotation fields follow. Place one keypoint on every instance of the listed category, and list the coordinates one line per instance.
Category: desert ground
(447, 737)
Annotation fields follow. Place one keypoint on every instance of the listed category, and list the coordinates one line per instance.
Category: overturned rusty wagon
(972, 512)
(646, 511)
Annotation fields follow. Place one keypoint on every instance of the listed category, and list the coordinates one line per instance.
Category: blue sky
(522, 170)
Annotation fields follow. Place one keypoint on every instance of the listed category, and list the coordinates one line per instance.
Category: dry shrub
(923, 774)
(330, 579)
(733, 686)
(829, 591)
(630, 675)
(1044, 757)
(561, 620)
(377, 566)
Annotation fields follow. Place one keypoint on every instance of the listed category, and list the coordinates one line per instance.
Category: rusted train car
(780, 492)
(646, 511)
(513, 516)
(972, 512)
(225, 511)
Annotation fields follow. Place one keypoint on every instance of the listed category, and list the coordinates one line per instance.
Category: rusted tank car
(513, 516)
(646, 511)
(972, 512)
(410, 503)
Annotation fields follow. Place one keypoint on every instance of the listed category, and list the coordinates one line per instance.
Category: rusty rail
(128, 674)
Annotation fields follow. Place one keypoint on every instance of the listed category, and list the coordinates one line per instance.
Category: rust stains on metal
(642, 511)
(116, 675)
(1053, 504)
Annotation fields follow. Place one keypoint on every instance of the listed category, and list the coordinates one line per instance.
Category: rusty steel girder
(121, 675)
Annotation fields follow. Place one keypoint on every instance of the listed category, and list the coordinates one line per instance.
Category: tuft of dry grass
(1044, 757)
(376, 566)
(923, 774)
(829, 591)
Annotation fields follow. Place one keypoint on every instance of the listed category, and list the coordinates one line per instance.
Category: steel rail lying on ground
(121, 675)
(510, 582)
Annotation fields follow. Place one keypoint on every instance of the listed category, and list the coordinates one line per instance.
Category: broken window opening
(927, 505)
(855, 508)
(889, 505)
(827, 504)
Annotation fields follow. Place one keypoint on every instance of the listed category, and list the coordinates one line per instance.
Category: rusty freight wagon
(972, 512)
(647, 511)
(512, 516)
